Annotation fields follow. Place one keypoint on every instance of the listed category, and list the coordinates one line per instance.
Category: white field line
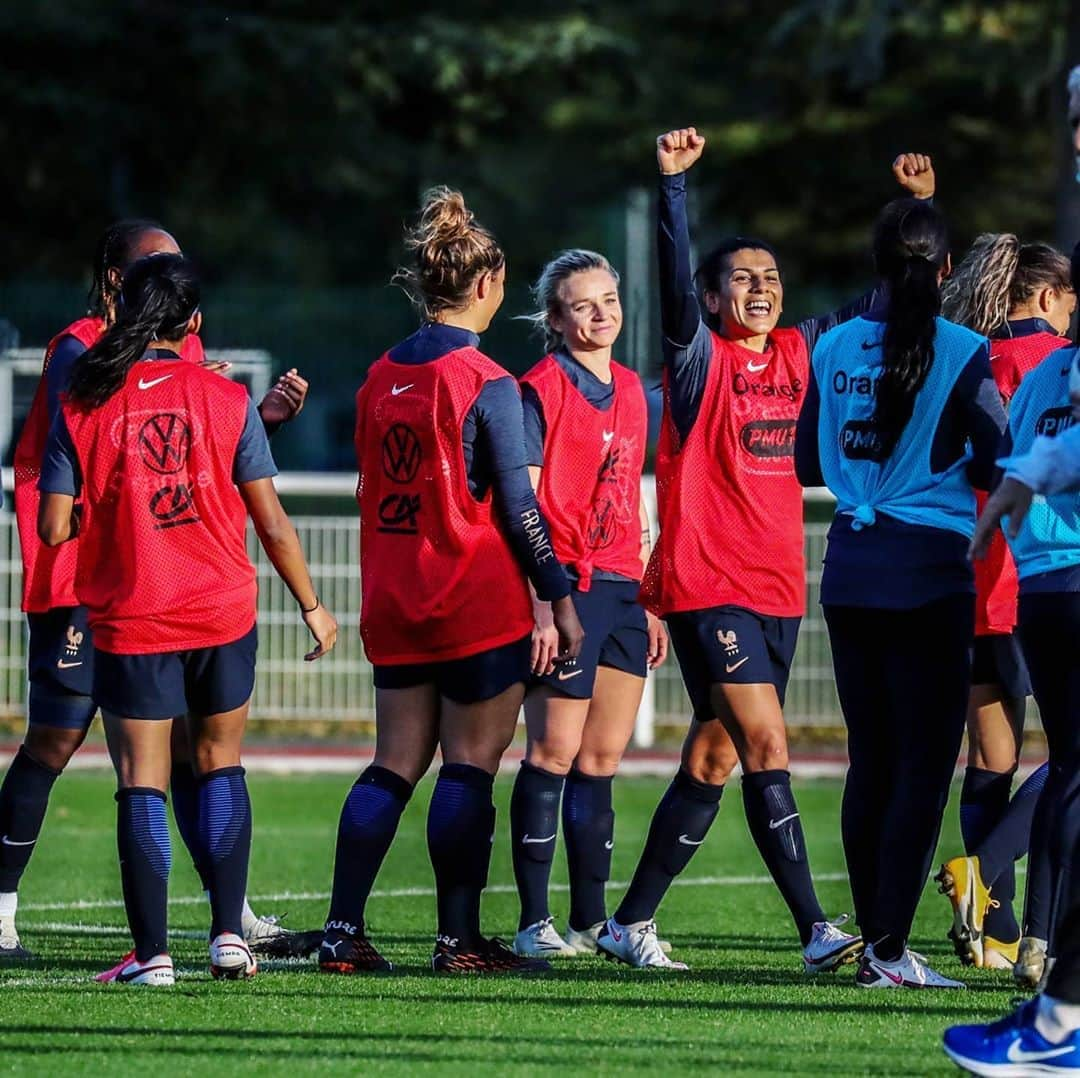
(407, 892)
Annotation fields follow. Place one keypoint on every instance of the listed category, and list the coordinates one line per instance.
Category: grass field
(745, 1007)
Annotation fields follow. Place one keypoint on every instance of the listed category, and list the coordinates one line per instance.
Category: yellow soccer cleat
(961, 881)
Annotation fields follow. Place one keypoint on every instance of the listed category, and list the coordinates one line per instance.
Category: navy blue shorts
(998, 660)
(204, 681)
(465, 681)
(61, 650)
(616, 635)
(730, 645)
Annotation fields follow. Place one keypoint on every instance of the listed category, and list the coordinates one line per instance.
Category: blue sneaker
(1012, 1046)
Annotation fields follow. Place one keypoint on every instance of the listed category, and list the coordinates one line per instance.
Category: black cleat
(342, 953)
(267, 938)
(485, 956)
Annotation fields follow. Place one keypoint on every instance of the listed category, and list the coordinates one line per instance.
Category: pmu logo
(164, 443)
(769, 437)
(859, 440)
(401, 454)
(1053, 421)
(172, 506)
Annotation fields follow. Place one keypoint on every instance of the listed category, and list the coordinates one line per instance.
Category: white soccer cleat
(908, 971)
(11, 950)
(584, 942)
(636, 945)
(231, 958)
(156, 972)
(829, 948)
(540, 940)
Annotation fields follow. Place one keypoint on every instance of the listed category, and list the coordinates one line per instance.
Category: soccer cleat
(998, 955)
(156, 971)
(231, 958)
(636, 945)
(829, 948)
(485, 956)
(266, 937)
(961, 881)
(342, 953)
(1030, 962)
(540, 940)
(584, 942)
(11, 949)
(1012, 1046)
(908, 971)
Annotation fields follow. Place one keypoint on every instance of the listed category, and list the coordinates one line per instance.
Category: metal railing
(341, 687)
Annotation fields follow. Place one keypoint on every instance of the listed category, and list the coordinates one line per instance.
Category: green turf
(745, 1007)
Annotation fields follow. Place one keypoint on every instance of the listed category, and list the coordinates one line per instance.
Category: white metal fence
(340, 687)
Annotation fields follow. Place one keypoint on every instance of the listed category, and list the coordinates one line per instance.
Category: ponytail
(157, 300)
(910, 248)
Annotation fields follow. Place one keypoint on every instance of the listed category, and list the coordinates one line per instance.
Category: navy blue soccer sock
(142, 839)
(589, 830)
(184, 789)
(774, 823)
(460, 830)
(679, 826)
(225, 835)
(24, 797)
(999, 851)
(369, 820)
(984, 797)
(534, 824)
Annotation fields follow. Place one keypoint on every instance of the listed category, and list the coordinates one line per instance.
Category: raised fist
(677, 150)
(915, 173)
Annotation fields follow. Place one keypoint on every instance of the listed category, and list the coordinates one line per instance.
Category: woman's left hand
(284, 400)
(658, 641)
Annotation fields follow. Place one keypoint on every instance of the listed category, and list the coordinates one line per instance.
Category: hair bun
(444, 218)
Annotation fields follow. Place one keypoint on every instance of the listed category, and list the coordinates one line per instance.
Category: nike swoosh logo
(774, 824)
(867, 345)
(608, 435)
(144, 384)
(756, 368)
(396, 391)
(609, 845)
(1016, 1054)
(61, 665)
(123, 978)
(686, 840)
(528, 840)
(896, 978)
(564, 676)
(616, 936)
(732, 667)
(11, 842)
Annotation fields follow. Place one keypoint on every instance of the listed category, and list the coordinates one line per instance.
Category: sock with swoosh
(534, 823)
(589, 833)
(679, 826)
(24, 797)
(460, 831)
(774, 823)
(369, 820)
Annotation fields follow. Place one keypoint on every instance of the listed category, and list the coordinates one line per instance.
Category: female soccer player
(450, 532)
(728, 574)
(60, 708)
(585, 434)
(167, 457)
(895, 399)
(1021, 297)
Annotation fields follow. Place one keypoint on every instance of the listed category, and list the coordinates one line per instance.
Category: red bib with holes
(731, 512)
(439, 579)
(590, 485)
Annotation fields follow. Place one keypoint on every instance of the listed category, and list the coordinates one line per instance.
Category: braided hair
(114, 250)
(159, 295)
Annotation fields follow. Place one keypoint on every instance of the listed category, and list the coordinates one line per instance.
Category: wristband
(311, 610)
